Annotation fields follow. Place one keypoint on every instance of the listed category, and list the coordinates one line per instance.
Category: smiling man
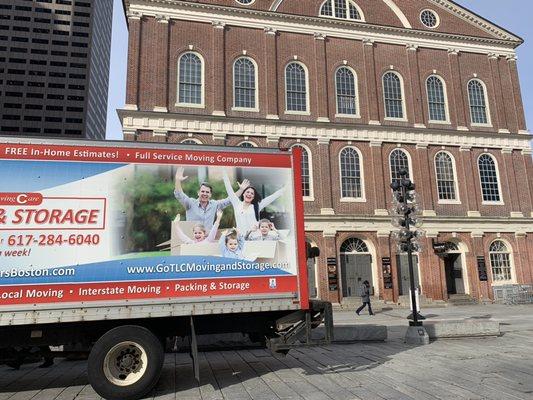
(203, 209)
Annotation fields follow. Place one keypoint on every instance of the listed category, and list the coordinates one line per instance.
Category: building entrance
(453, 267)
(356, 266)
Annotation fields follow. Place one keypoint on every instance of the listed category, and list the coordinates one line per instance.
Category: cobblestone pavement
(489, 368)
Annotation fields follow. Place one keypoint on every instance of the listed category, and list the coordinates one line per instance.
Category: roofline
(514, 43)
(520, 39)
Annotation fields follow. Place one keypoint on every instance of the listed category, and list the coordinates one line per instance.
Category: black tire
(128, 346)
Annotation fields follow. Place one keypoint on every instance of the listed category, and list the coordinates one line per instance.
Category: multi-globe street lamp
(405, 215)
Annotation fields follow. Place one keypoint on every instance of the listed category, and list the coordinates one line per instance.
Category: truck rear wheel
(125, 363)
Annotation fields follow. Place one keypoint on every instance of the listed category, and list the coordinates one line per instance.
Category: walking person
(365, 298)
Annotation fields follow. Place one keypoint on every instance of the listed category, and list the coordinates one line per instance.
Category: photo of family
(250, 235)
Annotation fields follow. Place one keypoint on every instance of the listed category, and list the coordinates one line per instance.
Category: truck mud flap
(194, 351)
(295, 329)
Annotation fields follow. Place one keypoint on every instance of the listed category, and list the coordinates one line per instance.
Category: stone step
(461, 300)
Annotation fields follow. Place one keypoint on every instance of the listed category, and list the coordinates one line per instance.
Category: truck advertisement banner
(120, 224)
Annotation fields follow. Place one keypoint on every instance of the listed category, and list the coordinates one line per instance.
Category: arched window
(247, 145)
(478, 102)
(191, 80)
(354, 245)
(393, 94)
(351, 174)
(245, 84)
(445, 173)
(436, 99)
(488, 174)
(346, 90)
(501, 261)
(307, 179)
(344, 9)
(398, 160)
(190, 141)
(296, 87)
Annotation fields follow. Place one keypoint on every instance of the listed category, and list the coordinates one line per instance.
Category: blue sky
(514, 15)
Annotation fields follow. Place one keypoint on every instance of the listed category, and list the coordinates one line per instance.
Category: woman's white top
(245, 216)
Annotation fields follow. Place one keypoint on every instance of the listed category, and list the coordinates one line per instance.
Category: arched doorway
(454, 269)
(356, 266)
(312, 273)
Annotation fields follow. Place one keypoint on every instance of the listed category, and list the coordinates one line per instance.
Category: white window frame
(191, 105)
(409, 161)
(311, 196)
(256, 88)
(248, 142)
(402, 88)
(307, 97)
(359, 10)
(357, 114)
(484, 202)
(247, 4)
(455, 179)
(513, 268)
(196, 141)
(446, 103)
(436, 14)
(487, 104)
(361, 199)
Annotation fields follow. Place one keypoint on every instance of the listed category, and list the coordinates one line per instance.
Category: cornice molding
(475, 20)
(256, 19)
(147, 120)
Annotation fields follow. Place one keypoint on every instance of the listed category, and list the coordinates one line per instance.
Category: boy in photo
(264, 230)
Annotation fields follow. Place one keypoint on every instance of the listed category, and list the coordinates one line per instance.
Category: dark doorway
(454, 273)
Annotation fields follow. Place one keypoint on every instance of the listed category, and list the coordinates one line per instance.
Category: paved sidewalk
(496, 368)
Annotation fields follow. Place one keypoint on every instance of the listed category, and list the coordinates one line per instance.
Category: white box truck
(118, 246)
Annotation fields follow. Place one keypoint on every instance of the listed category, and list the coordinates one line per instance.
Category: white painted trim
(333, 8)
(446, 103)
(256, 89)
(308, 104)
(361, 199)
(311, 196)
(399, 13)
(457, 199)
(402, 87)
(191, 139)
(373, 265)
(409, 162)
(487, 104)
(242, 4)
(513, 267)
(247, 141)
(146, 120)
(356, 87)
(434, 13)
(497, 167)
(196, 12)
(192, 105)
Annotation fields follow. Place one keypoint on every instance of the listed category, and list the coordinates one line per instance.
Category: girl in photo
(200, 233)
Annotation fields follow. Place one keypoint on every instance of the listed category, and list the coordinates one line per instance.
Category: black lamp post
(404, 214)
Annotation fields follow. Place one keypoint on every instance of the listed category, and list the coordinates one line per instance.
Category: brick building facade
(365, 87)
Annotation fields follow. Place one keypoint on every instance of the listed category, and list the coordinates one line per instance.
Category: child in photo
(232, 244)
(264, 230)
(200, 233)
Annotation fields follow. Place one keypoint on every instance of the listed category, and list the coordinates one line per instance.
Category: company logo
(272, 283)
(20, 199)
